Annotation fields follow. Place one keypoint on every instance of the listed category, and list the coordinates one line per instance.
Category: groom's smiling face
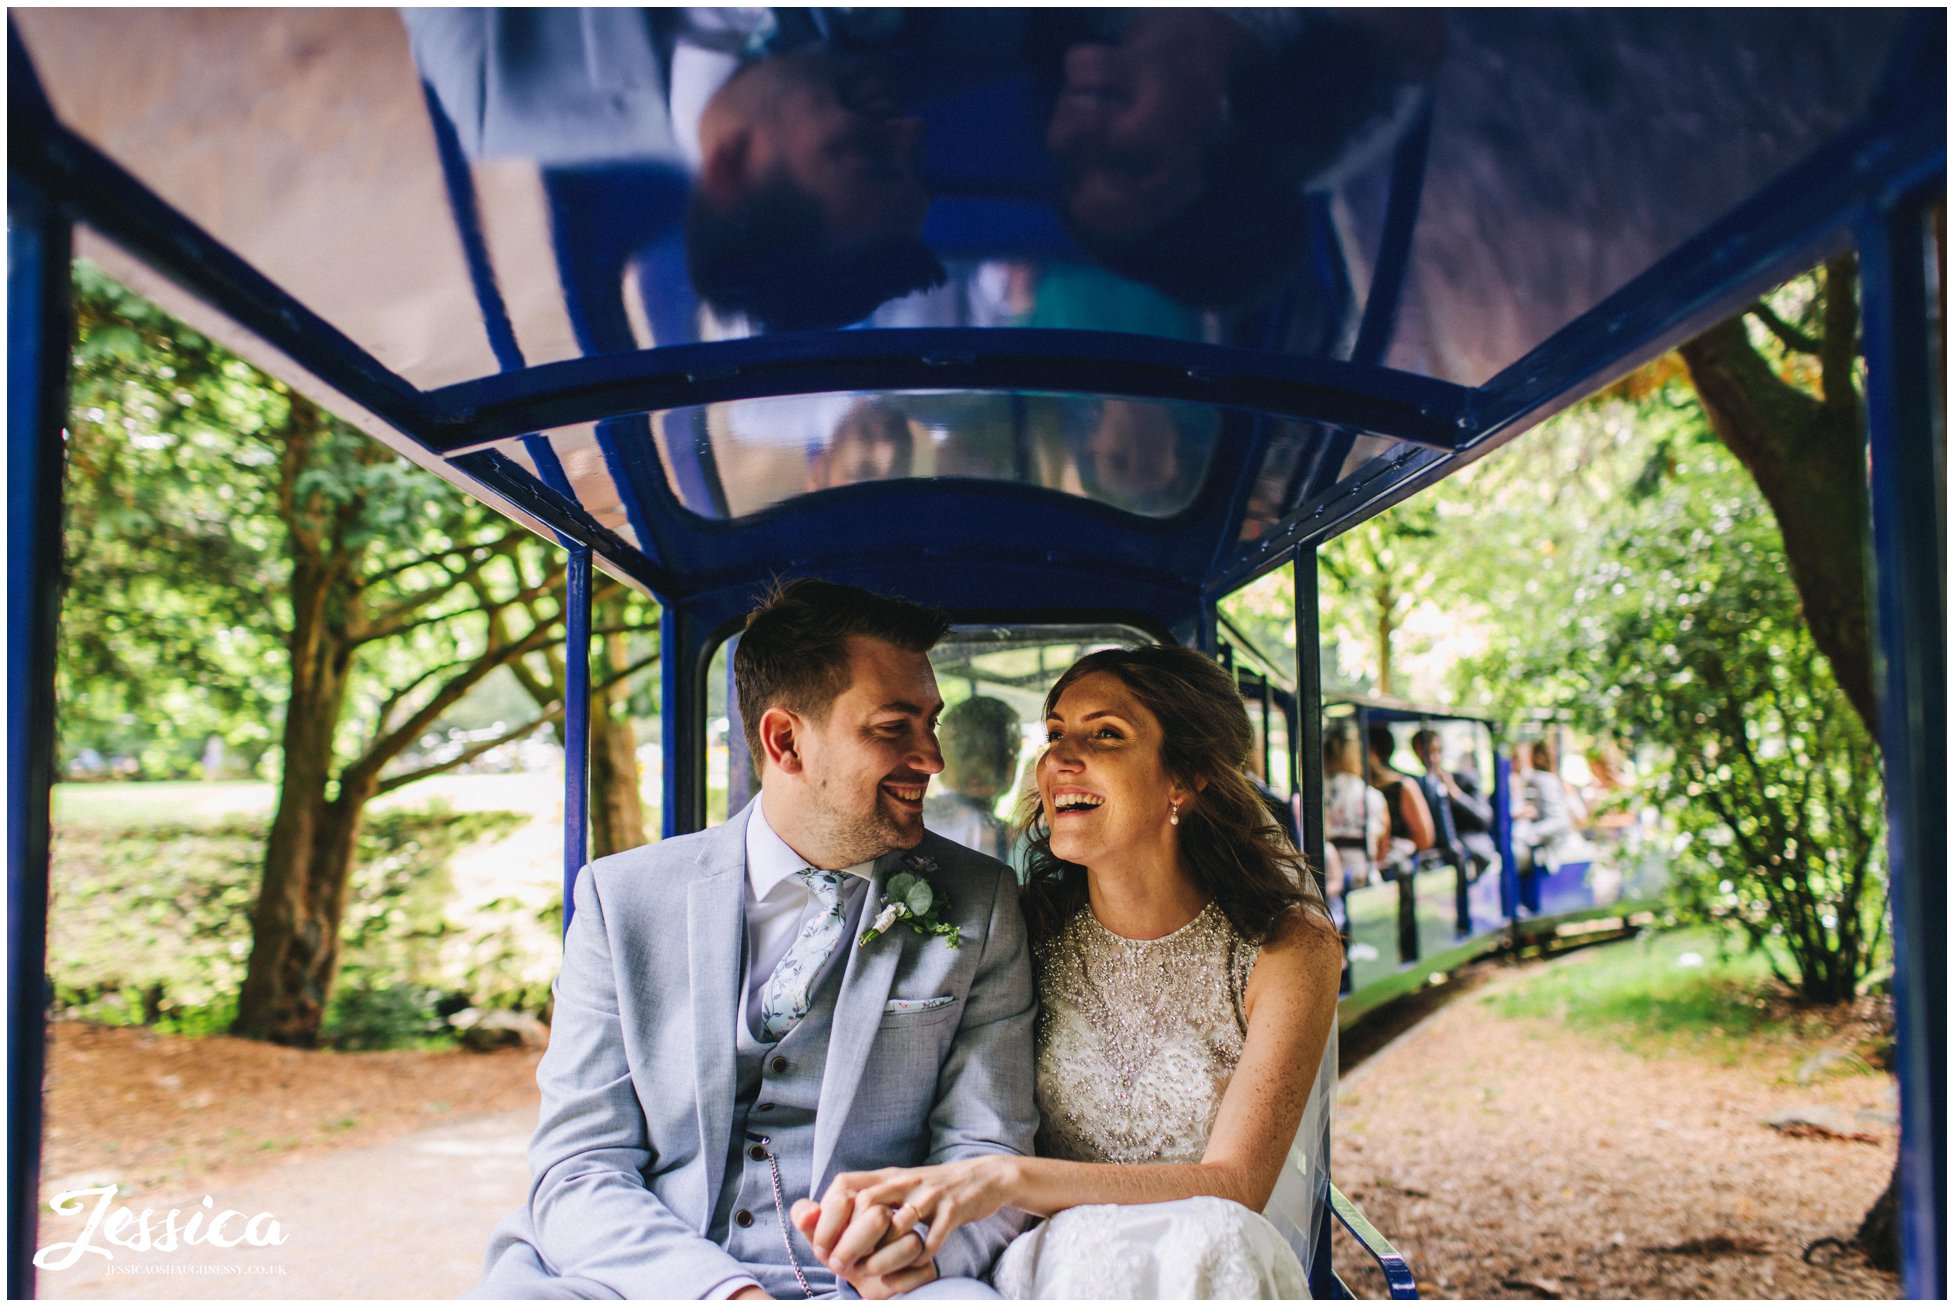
(858, 792)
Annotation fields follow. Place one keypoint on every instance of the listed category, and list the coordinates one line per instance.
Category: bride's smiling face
(1106, 794)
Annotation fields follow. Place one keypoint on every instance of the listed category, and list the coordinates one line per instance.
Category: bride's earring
(1174, 812)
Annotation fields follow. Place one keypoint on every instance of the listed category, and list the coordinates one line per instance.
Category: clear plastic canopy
(470, 193)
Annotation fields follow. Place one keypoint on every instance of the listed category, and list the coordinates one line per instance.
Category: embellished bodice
(1137, 1039)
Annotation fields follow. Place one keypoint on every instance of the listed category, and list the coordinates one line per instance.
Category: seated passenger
(1472, 814)
(1188, 979)
(1438, 799)
(980, 738)
(1412, 831)
(1355, 818)
(1544, 834)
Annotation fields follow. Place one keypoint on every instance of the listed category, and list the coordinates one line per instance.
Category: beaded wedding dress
(1137, 1040)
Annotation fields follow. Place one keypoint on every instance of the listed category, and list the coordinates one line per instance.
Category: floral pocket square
(918, 1004)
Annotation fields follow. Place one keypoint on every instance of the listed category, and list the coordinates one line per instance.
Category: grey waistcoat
(779, 1087)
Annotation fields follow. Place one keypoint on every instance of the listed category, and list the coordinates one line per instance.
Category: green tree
(623, 627)
(1689, 637)
(232, 545)
(1780, 385)
(1377, 573)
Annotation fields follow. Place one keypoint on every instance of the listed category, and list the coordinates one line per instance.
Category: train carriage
(1010, 345)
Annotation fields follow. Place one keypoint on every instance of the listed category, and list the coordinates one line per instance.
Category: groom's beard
(847, 836)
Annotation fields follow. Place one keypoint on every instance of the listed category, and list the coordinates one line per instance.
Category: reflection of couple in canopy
(1180, 141)
(813, 1045)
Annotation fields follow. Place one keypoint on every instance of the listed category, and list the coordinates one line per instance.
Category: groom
(722, 1042)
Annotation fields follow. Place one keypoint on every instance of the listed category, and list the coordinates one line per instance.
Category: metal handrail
(1397, 1271)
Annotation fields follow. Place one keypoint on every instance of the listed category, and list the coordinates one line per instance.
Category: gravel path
(1512, 1158)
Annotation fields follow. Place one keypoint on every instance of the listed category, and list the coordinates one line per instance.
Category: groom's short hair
(794, 651)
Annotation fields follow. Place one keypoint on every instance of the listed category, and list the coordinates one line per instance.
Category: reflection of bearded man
(810, 202)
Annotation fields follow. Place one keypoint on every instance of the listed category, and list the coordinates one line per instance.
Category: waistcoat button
(778, 1064)
(742, 1218)
(756, 1152)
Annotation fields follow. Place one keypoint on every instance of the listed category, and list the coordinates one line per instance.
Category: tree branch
(1840, 347)
(551, 713)
(395, 742)
(1790, 336)
(459, 551)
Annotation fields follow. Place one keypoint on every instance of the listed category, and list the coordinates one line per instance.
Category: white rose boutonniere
(911, 898)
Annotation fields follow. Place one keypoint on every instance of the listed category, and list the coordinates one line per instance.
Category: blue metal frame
(686, 637)
(1306, 734)
(40, 329)
(1900, 265)
(1397, 1272)
(501, 332)
(1400, 405)
(1509, 870)
(576, 724)
(564, 519)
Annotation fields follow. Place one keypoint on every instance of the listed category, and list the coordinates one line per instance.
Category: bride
(1187, 978)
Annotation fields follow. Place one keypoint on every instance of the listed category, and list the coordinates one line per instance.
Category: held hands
(868, 1247)
(884, 1228)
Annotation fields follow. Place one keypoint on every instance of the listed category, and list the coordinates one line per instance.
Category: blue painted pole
(576, 725)
(682, 719)
(1206, 629)
(1902, 263)
(1509, 870)
(40, 332)
(1306, 758)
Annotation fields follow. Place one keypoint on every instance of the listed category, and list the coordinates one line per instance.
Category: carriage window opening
(732, 460)
(1258, 633)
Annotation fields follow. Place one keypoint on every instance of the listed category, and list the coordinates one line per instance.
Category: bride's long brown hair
(1236, 852)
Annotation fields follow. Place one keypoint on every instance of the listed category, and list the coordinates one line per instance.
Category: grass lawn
(118, 805)
(1688, 990)
(115, 805)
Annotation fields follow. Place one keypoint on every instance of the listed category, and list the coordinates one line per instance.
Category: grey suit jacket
(638, 1085)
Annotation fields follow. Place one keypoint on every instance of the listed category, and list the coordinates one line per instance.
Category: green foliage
(151, 925)
(195, 486)
(1648, 989)
(1265, 612)
(168, 515)
(1373, 577)
(1676, 628)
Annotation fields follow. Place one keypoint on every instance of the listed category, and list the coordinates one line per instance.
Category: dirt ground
(1512, 1158)
(1506, 1158)
(152, 1112)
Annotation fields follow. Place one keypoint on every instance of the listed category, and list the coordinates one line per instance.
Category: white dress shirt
(777, 905)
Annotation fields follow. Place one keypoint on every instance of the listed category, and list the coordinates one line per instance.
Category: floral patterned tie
(789, 990)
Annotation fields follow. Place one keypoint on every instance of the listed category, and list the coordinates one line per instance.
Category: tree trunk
(1386, 627)
(309, 855)
(1808, 457)
(1879, 1234)
(617, 810)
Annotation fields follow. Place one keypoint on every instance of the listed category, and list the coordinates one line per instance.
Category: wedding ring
(914, 1216)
